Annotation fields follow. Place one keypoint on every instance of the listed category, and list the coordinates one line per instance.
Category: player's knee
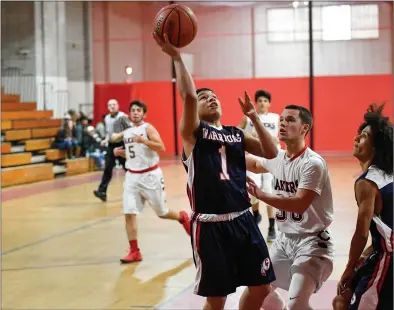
(259, 292)
(298, 303)
(215, 303)
(340, 303)
(274, 301)
(128, 218)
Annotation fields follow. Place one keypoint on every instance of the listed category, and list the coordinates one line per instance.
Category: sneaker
(271, 234)
(101, 195)
(185, 221)
(133, 256)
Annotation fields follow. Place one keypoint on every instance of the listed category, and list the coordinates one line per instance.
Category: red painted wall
(340, 103)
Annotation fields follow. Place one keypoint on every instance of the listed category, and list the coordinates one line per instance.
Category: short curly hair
(382, 137)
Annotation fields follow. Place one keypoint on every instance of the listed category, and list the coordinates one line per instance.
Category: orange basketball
(178, 22)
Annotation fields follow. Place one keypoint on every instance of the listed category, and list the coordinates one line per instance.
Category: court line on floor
(171, 299)
(63, 233)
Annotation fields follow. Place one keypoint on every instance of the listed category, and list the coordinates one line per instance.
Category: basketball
(178, 22)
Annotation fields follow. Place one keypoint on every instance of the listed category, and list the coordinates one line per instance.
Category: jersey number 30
(223, 158)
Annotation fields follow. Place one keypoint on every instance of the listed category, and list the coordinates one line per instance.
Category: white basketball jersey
(138, 155)
(270, 122)
(307, 170)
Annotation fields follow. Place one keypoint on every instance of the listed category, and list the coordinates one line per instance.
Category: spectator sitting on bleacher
(66, 137)
(100, 128)
(84, 136)
(94, 148)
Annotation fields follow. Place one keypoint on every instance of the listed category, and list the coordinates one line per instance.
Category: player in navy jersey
(367, 282)
(228, 248)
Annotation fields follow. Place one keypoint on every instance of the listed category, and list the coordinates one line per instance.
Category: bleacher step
(57, 169)
(38, 159)
(17, 149)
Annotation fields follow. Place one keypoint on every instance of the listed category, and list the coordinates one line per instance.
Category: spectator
(94, 149)
(66, 137)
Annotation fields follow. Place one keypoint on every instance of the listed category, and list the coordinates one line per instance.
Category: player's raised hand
(247, 105)
(165, 45)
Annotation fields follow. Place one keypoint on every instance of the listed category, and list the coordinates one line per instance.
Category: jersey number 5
(223, 158)
(132, 154)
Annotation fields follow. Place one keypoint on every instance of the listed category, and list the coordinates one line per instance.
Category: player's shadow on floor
(131, 292)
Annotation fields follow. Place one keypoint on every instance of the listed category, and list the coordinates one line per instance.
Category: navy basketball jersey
(382, 225)
(216, 171)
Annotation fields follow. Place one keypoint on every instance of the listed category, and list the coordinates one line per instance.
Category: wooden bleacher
(27, 136)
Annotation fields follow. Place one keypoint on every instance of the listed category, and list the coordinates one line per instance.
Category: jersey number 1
(223, 158)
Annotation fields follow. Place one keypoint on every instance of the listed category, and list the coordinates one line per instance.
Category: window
(336, 22)
(365, 21)
(330, 23)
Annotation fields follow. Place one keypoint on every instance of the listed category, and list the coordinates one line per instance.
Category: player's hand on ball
(165, 45)
(247, 105)
(252, 187)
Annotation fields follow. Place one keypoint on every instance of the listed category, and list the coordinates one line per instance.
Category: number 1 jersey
(138, 155)
(216, 171)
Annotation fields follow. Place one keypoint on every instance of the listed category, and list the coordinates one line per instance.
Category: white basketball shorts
(141, 187)
(311, 254)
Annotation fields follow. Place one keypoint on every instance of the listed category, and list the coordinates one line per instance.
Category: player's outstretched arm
(253, 164)
(154, 141)
(264, 146)
(189, 119)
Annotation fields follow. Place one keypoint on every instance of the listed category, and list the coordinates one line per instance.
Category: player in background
(144, 180)
(270, 121)
(303, 252)
(228, 248)
(367, 282)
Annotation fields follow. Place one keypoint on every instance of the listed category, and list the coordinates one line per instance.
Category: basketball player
(144, 179)
(228, 248)
(302, 254)
(109, 120)
(270, 121)
(371, 286)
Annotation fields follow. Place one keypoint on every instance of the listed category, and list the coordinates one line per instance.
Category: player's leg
(281, 264)
(254, 201)
(266, 180)
(342, 302)
(101, 192)
(213, 258)
(152, 186)
(132, 205)
(308, 273)
(253, 262)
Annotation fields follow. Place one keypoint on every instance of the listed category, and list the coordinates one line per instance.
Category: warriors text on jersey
(306, 170)
(138, 155)
(270, 122)
(216, 171)
(382, 225)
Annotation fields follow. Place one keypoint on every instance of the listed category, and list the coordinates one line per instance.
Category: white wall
(66, 54)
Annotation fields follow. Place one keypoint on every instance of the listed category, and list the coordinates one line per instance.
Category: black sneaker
(102, 196)
(271, 234)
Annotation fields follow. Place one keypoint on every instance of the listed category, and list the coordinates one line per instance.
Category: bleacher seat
(27, 135)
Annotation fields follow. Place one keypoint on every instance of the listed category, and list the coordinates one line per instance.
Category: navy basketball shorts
(373, 283)
(229, 251)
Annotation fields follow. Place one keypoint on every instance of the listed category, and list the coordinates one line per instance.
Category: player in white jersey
(144, 180)
(302, 255)
(270, 121)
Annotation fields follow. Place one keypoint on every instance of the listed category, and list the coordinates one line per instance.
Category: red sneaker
(185, 221)
(133, 256)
